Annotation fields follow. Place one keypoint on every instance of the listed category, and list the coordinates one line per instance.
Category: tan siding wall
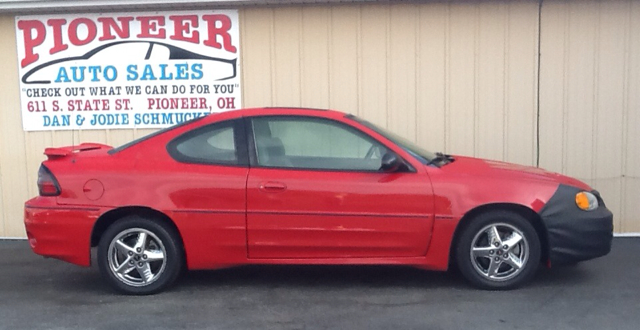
(13, 155)
(21, 152)
(589, 114)
(459, 77)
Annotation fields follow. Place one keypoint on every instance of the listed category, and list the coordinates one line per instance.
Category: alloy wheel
(499, 252)
(137, 257)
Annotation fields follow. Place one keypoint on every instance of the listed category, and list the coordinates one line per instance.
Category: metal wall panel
(431, 75)
(22, 152)
(589, 103)
(459, 77)
(521, 80)
(13, 172)
(372, 70)
(343, 58)
(630, 191)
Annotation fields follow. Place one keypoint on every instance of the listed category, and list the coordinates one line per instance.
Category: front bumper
(60, 232)
(573, 234)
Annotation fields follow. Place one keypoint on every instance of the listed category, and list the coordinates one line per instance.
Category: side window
(213, 144)
(313, 143)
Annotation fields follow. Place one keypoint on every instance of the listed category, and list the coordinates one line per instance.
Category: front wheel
(139, 256)
(498, 250)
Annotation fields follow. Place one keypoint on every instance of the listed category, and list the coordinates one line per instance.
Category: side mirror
(390, 162)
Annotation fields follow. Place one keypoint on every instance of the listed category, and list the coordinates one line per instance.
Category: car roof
(272, 111)
(235, 114)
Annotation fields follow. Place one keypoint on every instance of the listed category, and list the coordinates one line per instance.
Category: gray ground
(37, 293)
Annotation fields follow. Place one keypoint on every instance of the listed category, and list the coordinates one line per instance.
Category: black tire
(158, 262)
(493, 267)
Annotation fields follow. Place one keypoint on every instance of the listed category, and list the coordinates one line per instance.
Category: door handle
(272, 186)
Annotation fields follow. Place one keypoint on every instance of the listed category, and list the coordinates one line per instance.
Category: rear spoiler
(53, 153)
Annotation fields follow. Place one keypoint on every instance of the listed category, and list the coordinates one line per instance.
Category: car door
(314, 190)
(206, 188)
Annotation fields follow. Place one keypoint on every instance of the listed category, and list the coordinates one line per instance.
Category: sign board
(144, 70)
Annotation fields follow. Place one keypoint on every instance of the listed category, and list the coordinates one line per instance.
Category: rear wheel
(498, 250)
(139, 256)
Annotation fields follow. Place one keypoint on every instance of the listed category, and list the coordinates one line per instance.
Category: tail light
(47, 183)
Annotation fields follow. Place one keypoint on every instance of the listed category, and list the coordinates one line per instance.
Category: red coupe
(304, 186)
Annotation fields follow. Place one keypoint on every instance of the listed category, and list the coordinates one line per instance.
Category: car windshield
(424, 156)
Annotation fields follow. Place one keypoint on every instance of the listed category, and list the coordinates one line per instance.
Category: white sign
(145, 70)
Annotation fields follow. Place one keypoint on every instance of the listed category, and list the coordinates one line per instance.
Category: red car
(304, 186)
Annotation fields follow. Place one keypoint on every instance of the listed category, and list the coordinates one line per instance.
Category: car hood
(493, 168)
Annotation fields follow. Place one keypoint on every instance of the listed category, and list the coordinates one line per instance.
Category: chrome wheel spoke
(513, 240)
(123, 248)
(145, 272)
(125, 267)
(141, 242)
(482, 252)
(494, 235)
(514, 262)
(492, 271)
(154, 255)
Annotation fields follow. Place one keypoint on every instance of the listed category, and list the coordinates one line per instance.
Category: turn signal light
(586, 201)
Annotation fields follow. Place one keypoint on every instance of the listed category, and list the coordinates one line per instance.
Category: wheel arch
(529, 214)
(111, 216)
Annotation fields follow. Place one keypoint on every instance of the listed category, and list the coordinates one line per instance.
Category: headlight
(586, 201)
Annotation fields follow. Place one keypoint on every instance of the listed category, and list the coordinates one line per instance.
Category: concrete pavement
(38, 293)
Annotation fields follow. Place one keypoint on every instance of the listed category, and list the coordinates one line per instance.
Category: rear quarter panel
(205, 202)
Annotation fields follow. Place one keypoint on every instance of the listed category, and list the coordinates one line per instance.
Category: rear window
(213, 144)
(146, 137)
